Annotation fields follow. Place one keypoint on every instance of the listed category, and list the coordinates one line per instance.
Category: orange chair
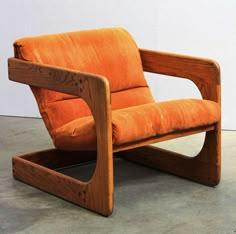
(94, 100)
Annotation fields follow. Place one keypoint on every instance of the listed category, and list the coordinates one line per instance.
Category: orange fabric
(140, 122)
(113, 54)
(76, 108)
(108, 52)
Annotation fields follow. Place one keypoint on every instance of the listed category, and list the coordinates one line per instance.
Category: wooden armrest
(94, 89)
(205, 73)
(59, 79)
(53, 77)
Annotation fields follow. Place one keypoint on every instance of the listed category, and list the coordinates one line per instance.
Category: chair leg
(37, 169)
(205, 168)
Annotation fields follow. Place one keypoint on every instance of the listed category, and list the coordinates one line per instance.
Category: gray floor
(146, 200)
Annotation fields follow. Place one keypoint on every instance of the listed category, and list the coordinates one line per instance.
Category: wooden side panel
(205, 73)
(205, 168)
(95, 91)
(31, 169)
(53, 182)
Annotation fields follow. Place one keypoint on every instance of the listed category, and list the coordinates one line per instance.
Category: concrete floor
(146, 200)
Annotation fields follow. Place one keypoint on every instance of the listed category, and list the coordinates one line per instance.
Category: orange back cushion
(108, 52)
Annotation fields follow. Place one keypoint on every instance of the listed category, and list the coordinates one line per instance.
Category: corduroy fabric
(114, 54)
(140, 122)
(108, 52)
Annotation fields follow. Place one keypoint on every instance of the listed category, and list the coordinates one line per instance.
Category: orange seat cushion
(110, 52)
(140, 122)
(114, 54)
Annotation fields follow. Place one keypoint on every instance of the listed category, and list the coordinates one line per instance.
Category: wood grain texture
(95, 91)
(97, 194)
(51, 181)
(205, 73)
(52, 77)
(204, 168)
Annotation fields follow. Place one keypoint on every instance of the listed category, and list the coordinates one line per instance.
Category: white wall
(201, 28)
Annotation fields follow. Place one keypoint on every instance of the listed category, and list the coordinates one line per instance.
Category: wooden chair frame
(38, 168)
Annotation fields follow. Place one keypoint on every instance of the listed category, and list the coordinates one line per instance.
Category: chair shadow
(125, 172)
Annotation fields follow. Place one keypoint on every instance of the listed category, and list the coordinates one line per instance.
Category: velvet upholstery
(113, 54)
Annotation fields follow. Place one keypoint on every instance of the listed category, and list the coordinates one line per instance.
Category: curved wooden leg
(37, 169)
(205, 168)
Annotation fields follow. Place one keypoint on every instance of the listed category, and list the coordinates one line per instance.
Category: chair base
(187, 167)
(204, 168)
(38, 170)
